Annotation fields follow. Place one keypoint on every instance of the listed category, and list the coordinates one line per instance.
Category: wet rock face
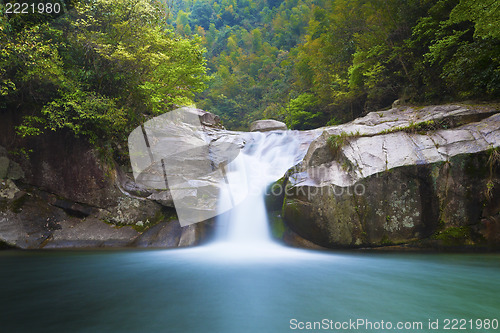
(381, 209)
(267, 125)
(68, 167)
(170, 235)
(8, 168)
(400, 176)
(68, 197)
(91, 232)
(26, 221)
(31, 218)
(132, 211)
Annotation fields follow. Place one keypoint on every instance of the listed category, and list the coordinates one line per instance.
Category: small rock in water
(267, 125)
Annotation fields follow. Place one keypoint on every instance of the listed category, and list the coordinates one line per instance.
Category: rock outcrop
(8, 168)
(183, 162)
(414, 176)
(60, 164)
(207, 119)
(426, 176)
(68, 197)
(267, 125)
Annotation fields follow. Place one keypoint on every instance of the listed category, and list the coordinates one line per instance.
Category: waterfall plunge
(265, 158)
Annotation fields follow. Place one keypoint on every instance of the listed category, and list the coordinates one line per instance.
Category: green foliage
(302, 113)
(98, 70)
(250, 54)
(85, 113)
(474, 70)
(454, 236)
(420, 127)
(336, 142)
(333, 122)
(386, 241)
(305, 62)
(30, 65)
(353, 56)
(485, 14)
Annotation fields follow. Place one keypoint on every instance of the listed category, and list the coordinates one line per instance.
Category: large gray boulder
(71, 198)
(8, 168)
(207, 118)
(400, 176)
(162, 235)
(26, 220)
(170, 235)
(183, 162)
(91, 232)
(36, 219)
(267, 125)
(72, 169)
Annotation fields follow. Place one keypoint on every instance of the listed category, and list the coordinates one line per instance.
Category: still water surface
(198, 290)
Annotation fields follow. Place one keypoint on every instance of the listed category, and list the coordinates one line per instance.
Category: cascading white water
(265, 158)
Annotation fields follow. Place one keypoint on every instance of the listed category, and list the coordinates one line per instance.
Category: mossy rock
(275, 195)
(454, 236)
(163, 215)
(385, 241)
(277, 225)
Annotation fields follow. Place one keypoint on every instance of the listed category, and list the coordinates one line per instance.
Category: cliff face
(426, 176)
(63, 195)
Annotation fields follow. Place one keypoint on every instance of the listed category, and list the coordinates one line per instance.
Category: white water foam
(243, 232)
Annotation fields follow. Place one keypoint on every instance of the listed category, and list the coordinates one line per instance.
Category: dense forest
(316, 62)
(100, 67)
(96, 69)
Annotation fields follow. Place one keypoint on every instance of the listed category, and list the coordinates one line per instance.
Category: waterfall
(264, 159)
(212, 173)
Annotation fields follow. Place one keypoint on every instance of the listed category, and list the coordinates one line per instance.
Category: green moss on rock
(277, 225)
(454, 236)
(275, 195)
(385, 241)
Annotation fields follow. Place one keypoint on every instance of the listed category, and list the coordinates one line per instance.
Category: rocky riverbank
(63, 195)
(406, 177)
(415, 177)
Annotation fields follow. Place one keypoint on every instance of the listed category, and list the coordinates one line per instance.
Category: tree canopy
(104, 65)
(312, 62)
(97, 70)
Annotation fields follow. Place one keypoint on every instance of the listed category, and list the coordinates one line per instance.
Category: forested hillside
(97, 68)
(313, 62)
(100, 66)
